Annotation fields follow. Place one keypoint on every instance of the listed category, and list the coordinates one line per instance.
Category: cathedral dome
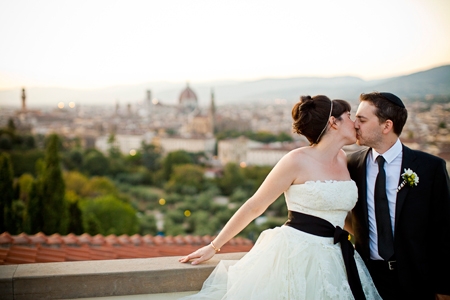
(187, 96)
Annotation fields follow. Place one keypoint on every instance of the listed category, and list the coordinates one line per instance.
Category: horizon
(266, 90)
(103, 44)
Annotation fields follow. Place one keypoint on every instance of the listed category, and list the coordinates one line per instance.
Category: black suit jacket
(422, 222)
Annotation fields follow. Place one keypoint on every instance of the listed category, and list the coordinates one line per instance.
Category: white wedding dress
(286, 263)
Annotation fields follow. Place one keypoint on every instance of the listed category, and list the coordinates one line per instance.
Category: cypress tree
(53, 187)
(34, 220)
(6, 192)
(47, 209)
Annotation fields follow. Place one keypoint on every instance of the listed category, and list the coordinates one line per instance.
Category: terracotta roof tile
(85, 238)
(136, 239)
(23, 248)
(38, 238)
(3, 254)
(180, 240)
(77, 253)
(50, 255)
(21, 239)
(124, 239)
(148, 239)
(102, 252)
(158, 240)
(100, 239)
(71, 239)
(54, 239)
(21, 255)
(5, 238)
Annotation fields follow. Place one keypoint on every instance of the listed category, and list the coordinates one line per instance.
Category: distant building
(125, 142)
(268, 155)
(199, 124)
(188, 101)
(247, 152)
(191, 144)
(235, 150)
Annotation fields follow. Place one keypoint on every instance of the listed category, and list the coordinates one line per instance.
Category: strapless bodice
(329, 200)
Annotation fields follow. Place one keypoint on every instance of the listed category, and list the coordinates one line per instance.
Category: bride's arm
(278, 180)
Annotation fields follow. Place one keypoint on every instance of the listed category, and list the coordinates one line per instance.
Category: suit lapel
(408, 162)
(361, 176)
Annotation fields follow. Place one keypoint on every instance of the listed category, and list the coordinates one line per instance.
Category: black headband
(394, 99)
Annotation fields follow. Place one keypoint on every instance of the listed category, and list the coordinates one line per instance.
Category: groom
(402, 231)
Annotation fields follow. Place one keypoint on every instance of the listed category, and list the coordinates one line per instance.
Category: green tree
(186, 179)
(75, 225)
(75, 182)
(173, 222)
(147, 224)
(284, 137)
(116, 159)
(73, 160)
(11, 125)
(203, 223)
(6, 192)
(95, 163)
(151, 156)
(25, 184)
(99, 186)
(5, 142)
(174, 158)
(231, 179)
(17, 217)
(24, 161)
(48, 193)
(34, 219)
(254, 177)
(109, 215)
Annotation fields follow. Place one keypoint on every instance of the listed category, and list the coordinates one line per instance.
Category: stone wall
(71, 280)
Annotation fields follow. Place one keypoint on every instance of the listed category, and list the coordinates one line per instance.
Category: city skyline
(83, 44)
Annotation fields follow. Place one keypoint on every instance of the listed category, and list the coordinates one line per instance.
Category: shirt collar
(391, 154)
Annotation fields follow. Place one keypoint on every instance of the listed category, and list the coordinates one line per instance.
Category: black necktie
(385, 237)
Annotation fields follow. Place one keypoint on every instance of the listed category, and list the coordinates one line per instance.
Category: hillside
(434, 81)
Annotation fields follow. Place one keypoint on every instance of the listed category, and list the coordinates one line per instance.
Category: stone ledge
(70, 280)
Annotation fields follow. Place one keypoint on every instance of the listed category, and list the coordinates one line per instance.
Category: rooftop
(40, 248)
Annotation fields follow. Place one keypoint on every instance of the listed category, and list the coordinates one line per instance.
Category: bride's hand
(202, 254)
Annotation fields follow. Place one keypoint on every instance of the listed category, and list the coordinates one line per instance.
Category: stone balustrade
(103, 278)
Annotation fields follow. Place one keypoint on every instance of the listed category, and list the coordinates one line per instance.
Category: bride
(309, 257)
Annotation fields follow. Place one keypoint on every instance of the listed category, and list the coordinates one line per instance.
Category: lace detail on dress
(289, 264)
(329, 200)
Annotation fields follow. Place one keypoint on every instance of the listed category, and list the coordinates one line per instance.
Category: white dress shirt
(392, 167)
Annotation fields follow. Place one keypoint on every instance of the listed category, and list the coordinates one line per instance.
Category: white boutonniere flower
(410, 178)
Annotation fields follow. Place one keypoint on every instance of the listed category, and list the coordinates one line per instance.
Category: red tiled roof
(23, 248)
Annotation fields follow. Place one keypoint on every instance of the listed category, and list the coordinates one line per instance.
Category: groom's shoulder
(423, 156)
(356, 153)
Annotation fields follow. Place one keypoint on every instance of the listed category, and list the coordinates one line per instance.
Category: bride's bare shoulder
(297, 155)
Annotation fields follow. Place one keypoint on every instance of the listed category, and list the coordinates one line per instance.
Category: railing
(102, 278)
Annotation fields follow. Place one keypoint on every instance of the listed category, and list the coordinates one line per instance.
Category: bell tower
(24, 99)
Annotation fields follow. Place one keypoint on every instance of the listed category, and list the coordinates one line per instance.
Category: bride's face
(348, 128)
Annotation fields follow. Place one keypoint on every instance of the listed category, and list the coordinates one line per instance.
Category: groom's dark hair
(387, 110)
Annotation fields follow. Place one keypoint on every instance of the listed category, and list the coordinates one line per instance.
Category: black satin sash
(317, 226)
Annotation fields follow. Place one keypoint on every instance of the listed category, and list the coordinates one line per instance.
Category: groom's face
(367, 125)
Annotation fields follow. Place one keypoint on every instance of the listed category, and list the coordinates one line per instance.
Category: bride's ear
(333, 123)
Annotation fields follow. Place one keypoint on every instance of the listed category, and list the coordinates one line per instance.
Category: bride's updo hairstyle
(311, 115)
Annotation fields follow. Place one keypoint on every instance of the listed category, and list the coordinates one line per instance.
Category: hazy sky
(97, 43)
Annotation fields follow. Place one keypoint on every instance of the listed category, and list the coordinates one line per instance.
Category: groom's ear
(388, 126)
